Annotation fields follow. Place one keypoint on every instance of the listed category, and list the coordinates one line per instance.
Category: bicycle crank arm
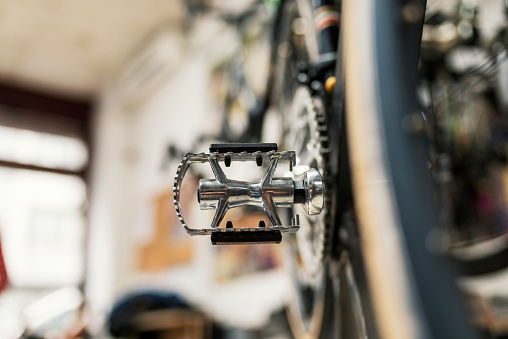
(222, 193)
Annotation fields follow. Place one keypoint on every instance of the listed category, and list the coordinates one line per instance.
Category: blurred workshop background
(97, 101)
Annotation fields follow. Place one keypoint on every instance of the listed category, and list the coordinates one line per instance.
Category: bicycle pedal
(222, 193)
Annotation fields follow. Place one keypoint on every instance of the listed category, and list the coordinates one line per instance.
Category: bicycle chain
(325, 154)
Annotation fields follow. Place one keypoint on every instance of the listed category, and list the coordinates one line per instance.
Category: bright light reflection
(52, 305)
(42, 149)
(42, 227)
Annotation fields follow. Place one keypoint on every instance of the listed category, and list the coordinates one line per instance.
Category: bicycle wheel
(412, 287)
(331, 295)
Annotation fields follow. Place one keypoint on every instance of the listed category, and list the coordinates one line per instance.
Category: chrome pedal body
(222, 193)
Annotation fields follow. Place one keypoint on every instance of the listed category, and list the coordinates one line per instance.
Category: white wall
(129, 149)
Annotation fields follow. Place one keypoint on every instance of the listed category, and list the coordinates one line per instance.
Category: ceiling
(73, 47)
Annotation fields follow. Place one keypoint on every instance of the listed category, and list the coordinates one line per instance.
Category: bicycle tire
(412, 287)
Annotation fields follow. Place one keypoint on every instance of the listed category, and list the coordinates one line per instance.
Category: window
(42, 149)
(42, 224)
(44, 156)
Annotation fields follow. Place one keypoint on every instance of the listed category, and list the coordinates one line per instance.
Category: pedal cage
(222, 193)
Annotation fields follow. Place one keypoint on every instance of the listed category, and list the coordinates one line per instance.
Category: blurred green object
(272, 5)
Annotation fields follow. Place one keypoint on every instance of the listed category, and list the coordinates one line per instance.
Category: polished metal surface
(315, 190)
(222, 193)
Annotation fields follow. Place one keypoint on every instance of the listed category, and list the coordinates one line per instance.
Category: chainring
(306, 134)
